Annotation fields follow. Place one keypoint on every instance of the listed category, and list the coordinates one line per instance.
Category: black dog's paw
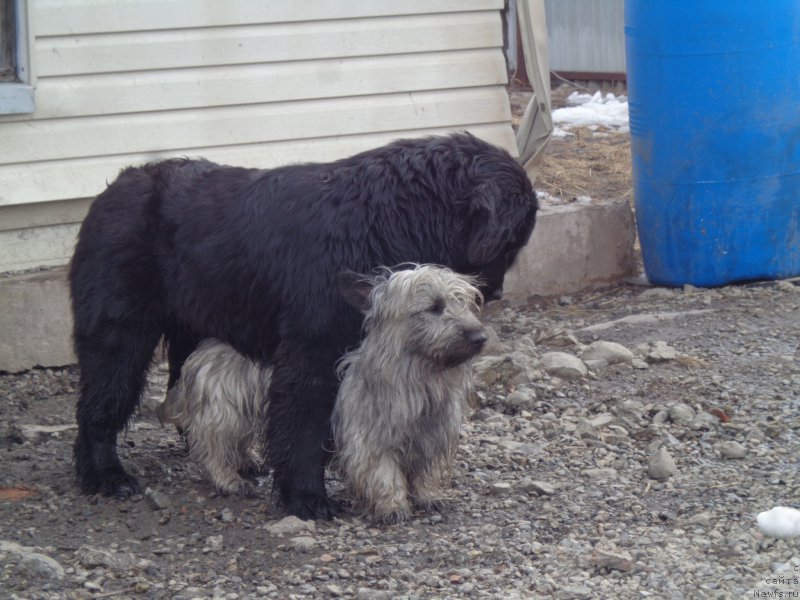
(310, 506)
(117, 484)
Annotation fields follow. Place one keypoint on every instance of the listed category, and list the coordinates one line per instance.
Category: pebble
(157, 500)
(334, 590)
(585, 429)
(538, 487)
(601, 474)
(602, 420)
(660, 351)
(610, 352)
(35, 563)
(681, 413)
(612, 558)
(702, 519)
(574, 592)
(661, 465)
(90, 557)
(290, 525)
(302, 543)
(500, 488)
(563, 365)
(731, 449)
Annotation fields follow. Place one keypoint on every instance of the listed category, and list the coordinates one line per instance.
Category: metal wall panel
(586, 36)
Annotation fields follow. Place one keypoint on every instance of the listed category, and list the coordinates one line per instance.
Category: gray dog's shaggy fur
(400, 404)
(218, 403)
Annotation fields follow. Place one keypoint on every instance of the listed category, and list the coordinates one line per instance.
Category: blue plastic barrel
(714, 100)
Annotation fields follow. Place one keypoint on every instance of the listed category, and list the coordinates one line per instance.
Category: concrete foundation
(35, 321)
(573, 247)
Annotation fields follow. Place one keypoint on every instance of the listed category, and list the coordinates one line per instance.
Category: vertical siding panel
(586, 36)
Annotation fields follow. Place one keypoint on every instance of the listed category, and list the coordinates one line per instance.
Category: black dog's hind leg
(181, 342)
(113, 368)
(298, 440)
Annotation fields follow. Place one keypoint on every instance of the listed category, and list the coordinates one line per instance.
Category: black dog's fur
(188, 249)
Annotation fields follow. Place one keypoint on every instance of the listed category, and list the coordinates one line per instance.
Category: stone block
(574, 247)
(35, 321)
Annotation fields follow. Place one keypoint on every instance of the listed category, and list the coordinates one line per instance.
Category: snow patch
(591, 111)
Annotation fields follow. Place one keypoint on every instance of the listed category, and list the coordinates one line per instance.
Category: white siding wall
(243, 82)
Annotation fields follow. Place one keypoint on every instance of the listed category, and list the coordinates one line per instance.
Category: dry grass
(587, 163)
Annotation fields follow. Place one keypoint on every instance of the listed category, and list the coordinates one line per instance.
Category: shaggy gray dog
(400, 405)
(402, 398)
(217, 403)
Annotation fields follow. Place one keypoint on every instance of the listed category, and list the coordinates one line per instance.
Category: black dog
(189, 249)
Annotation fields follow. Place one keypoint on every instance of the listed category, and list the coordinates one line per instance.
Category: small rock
(500, 488)
(595, 365)
(226, 515)
(611, 352)
(302, 543)
(731, 449)
(563, 365)
(39, 433)
(601, 474)
(521, 398)
(90, 558)
(514, 368)
(702, 519)
(42, 565)
(787, 286)
(214, 543)
(704, 421)
(638, 363)
(660, 351)
(573, 592)
(661, 417)
(35, 563)
(681, 413)
(537, 487)
(632, 408)
(368, 594)
(658, 292)
(291, 525)
(157, 500)
(487, 415)
(585, 429)
(334, 590)
(661, 465)
(612, 559)
(602, 420)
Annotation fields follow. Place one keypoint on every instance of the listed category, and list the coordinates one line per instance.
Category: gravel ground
(622, 475)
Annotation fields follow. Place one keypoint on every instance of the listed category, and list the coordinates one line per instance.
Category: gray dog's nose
(476, 337)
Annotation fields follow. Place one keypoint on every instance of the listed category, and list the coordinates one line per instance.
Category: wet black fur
(188, 249)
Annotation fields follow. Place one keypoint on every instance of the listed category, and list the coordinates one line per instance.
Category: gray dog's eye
(437, 307)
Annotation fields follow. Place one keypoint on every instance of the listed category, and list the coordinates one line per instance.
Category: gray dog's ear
(355, 289)
(489, 236)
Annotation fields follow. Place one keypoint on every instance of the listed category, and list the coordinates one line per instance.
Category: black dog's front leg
(298, 440)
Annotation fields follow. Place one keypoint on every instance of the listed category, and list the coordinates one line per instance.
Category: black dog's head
(502, 206)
